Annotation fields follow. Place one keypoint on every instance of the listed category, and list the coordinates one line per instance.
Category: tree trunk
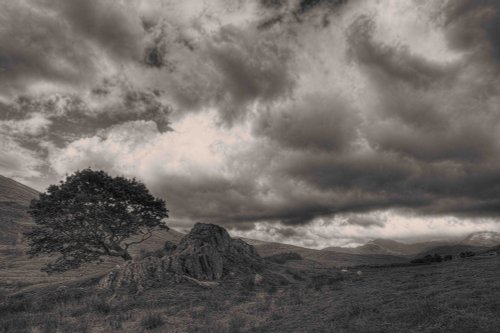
(120, 252)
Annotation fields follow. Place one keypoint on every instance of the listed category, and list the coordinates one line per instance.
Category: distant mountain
(476, 241)
(482, 238)
(387, 247)
(321, 258)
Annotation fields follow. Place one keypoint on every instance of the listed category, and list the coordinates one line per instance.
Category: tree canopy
(91, 215)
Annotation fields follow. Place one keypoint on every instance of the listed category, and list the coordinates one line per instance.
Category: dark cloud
(297, 126)
(252, 67)
(320, 108)
(111, 25)
(36, 47)
(364, 221)
(397, 63)
(474, 26)
(70, 116)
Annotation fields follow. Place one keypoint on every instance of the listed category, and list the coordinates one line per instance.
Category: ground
(458, 296)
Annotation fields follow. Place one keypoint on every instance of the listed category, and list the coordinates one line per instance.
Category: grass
(457, 296)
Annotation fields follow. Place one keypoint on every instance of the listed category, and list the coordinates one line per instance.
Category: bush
(100, 306)
(282, 258)
(448, 257)
(427, 259)
(169, 247)
(247, 285)
(17, 304)
(467, 254)
(157, 253)
(152, 321)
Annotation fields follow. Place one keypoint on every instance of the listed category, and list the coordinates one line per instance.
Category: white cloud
(35, 125)
(18, 162)
(196, 146)
(336, 231)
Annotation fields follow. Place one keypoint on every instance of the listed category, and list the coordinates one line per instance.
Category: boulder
(207, 253)
(138, 273)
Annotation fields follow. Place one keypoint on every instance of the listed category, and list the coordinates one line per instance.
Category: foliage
(428, 259)
(152, 321)
(467, 254)
(91, 215)
(282, 258)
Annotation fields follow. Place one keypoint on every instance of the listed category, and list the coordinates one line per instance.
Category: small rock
(258, 279)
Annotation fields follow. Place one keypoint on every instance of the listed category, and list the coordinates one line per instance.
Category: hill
(476, 241)
(14, 202)
(388, 247)
(17, 269)
(454, 296)
(12, 191)
(482, 238)
(317, 258)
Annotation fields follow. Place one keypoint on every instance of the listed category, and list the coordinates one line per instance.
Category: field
(458, 296)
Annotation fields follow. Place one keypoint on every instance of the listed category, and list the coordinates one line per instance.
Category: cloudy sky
(311, 122)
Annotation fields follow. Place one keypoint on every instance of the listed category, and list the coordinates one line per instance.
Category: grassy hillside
(328, 258)
(452, 249)
(14, 201)
(456, 296)
(12, 191)
(17, 269)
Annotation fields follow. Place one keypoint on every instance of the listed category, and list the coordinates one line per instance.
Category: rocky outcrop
(207, 253)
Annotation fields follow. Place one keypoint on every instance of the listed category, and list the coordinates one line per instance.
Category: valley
(377, 291)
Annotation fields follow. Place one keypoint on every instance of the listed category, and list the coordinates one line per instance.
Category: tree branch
(146, 236)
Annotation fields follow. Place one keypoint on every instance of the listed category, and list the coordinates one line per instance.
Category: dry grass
(458, 296)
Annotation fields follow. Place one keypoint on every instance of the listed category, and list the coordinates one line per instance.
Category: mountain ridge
(476, 240)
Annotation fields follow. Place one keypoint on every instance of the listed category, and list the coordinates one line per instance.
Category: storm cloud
(268, 117)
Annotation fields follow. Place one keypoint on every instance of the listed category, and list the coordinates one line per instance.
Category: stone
(207, 253)
(258, 279)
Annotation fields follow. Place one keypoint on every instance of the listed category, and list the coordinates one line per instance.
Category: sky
(309, 122)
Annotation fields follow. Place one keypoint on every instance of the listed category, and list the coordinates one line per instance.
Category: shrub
(100, 306)
(169, 247)
(17, 304)
(281, 258)
(152, 321)
(427, 259)
(157, 253)
(467, 254)
(247, 285)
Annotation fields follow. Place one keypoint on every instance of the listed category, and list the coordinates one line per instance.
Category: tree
(91, 215)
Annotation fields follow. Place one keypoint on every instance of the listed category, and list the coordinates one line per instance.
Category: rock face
(207, 253)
